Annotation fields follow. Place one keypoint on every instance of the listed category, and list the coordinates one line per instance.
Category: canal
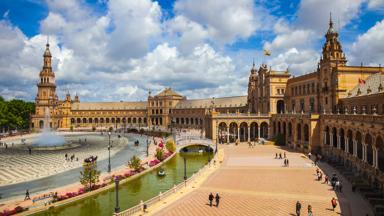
(130, 193)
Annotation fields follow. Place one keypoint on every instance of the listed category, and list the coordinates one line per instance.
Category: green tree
(15, 114)
(280, 140)
(159, 154)
(170, 145)
(89, 176)
(135, 163)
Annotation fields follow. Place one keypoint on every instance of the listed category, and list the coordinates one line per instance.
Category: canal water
(130, 193)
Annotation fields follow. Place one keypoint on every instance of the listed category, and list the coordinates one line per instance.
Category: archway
(284, 129)
(298, 132)
(306, 136)
(254, 131)
(72, 120)
(233, 132)
(280, 106)
(350, 141)
(264, 130)
(278, 127)
(289, 130)
(243, 132)
(223, 136)
(380, 153)
(342, 139)
(359, 145)
(334, 137)
(327, 136)
(90, 120)
(41, 124)
(369, 154)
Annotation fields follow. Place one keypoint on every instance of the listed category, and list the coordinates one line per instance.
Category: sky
(119, 50)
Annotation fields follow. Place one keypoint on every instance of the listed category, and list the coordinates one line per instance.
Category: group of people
(298, 209)
(217, 199)
(335, 181)
(71, 158)
(280, 156)
(3, 144)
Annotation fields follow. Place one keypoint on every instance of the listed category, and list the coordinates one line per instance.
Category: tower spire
(330, 20)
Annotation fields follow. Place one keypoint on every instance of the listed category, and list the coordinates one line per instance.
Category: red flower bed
(153, 162)
(16, 210)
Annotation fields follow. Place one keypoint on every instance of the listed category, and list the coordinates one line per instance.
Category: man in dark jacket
(217, 197)
(298, 208)
(210, 198)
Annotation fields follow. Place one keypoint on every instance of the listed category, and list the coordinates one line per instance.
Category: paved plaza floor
(251, 182)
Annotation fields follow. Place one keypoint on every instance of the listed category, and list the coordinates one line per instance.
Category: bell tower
(46, 98)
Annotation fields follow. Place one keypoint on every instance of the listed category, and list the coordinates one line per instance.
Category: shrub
(280, 140)
(159, 154)
(170, 145)
(134, 163)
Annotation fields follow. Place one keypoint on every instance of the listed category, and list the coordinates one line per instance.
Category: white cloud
(225, 20)
(289, 39)
(375, 4)
(314, 14)
(368, 47)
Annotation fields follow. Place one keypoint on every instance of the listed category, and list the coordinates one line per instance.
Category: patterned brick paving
(252, 182)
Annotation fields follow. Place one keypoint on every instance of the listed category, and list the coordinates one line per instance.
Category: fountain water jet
(47, 137)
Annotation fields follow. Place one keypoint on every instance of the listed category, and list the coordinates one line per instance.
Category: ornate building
(337, 110)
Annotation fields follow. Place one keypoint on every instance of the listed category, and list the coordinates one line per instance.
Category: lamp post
(185, 168)
(147, 146)
(117, 207)
(109, 152)
(217, 137)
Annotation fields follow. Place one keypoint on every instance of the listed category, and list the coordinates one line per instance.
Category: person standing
(217, 198)
(285, 155)
(298, 208)
(334, 203)
(210, 198)
(27, 195)
(310, 210)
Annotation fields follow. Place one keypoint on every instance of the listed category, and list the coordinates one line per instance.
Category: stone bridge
(182, 142)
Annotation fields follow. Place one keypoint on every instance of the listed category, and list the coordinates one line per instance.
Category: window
(313, 87)
(293, 105)
(326, 100)
(278, 91)
(312, 104)
(301, 104)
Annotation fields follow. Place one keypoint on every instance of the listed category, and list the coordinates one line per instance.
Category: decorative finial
(47, 41)
(330, 20)
(253, 63)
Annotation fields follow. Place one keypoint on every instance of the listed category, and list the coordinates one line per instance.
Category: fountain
(48, 138)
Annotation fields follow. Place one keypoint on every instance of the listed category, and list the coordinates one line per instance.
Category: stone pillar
(376, 153)
(338, 141)
(258, 135)
(331, 139)
(254, 131)
(364, 152)
(238, 132)
(346, 148)
(228, 134)
(373, 156)
(354, 148)
(249, 133)
(325, 138)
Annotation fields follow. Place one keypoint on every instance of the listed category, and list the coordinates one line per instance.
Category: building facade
(337, 110)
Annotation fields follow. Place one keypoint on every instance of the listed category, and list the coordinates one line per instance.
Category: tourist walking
(285, 155)
(334, 203)
(287, 163)
(217, 198)
(298, 208)
(310, 210)
(210, 198)
(276, 156)
(326, 179)
(27, 195)
(29, 150)
(280, 156)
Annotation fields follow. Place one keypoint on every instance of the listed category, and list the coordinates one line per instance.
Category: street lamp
(117, 207)
(109, 152)
(185, 168)
(217, 137)
(147, 146)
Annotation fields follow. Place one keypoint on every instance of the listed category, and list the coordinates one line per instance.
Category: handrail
(139, 207)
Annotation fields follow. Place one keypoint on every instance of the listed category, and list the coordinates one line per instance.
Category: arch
(350, 141)
(254, 130)
(191, 121)
(289, 129)
(342, 139)
(359, 145)
(187, 121)
(223, 135)
(182, 120)
(369, 153)
(280, 106)
(41, 124)
(140, 120)
(96, 120)
(124, 120)
(118, 120)
(107, 120)
(327, 136)
(243, 132)
(274, 127)
(72, 120)
(334, 137)
(380, 153)
(84, 121)
(298, 132)
(101, 120)
(278, 127)
(233, 133)
(264, 130)
(78, 120)
(306, 133)
(134, 120)
(90, 120)
(112, 120)
(129, 120)
(284, 129)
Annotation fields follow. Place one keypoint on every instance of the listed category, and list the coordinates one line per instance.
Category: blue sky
(119, 49)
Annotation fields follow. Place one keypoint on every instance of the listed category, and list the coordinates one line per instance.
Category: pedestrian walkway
(252, 182)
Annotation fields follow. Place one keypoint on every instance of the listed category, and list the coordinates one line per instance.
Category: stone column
(364, 152)
(338, 141)
(331, 139)
(254, 132)
(373, 156)
(346, 146)
(238, 133)
(354, 148)
(258, 128)
(249, 133)
(228, 134)
(376, 153)
(325, 138)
